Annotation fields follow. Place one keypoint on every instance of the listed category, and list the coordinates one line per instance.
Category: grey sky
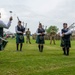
(49, 12)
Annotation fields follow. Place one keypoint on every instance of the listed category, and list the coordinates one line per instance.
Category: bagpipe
(70, 29)
(72, 26)
(24, 24)
(24, 27)
(44, 27)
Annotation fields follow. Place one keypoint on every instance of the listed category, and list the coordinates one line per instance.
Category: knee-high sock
(17, 46)
(67, 51)
(42, 47)
(39, 47)
(21, 46)
(64, 50)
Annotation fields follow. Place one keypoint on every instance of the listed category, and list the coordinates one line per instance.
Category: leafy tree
(52, 27)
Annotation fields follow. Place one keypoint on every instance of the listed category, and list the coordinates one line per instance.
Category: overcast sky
(48, 12)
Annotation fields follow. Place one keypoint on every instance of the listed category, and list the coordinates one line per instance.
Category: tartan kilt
(65, 43)
(40, 39)
(19, 38)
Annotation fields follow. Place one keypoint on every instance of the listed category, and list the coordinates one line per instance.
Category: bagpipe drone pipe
(71, 28)
(24, 27)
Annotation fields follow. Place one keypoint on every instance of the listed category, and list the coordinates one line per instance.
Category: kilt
(40, 39)
(65, 43)
(19, 38)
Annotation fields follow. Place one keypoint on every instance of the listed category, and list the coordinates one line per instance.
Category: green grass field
(31, 62)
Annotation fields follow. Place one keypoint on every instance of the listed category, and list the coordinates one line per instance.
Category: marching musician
(65, 39)
(3, 42)
(40, 37)
(19, 35)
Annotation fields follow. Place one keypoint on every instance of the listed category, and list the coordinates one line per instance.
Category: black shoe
(39, 47)
(67, 52)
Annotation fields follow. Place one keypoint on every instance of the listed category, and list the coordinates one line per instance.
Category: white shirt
(69, 32)
(3, 25)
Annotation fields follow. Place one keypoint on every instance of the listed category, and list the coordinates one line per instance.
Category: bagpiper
(40, 37)
(65, 39)
(19, 35)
